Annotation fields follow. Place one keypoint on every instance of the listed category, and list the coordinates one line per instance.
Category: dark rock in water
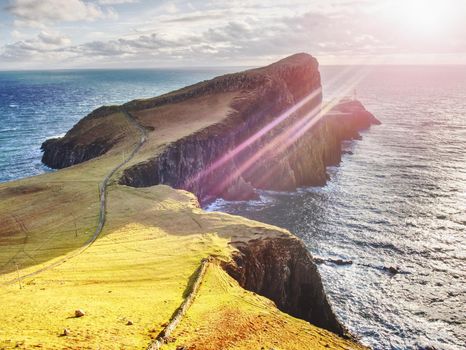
(240, 190)
(348, 152)
(427, 347)
(339, 262)
(392, 269)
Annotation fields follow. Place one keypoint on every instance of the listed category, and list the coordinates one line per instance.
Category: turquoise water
(38, 105)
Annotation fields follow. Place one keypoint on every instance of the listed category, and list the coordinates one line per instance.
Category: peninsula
(115, 251)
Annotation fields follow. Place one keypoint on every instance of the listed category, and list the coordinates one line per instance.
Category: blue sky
(141, 33)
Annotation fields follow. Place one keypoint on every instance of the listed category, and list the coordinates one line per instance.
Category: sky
(56, 34)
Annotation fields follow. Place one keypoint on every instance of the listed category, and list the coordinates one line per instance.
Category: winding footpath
(103, 203)
(164, 335)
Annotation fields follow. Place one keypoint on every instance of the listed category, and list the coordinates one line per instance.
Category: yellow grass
(135, 271)
(138, 269)
(224, 316)
(49, 215)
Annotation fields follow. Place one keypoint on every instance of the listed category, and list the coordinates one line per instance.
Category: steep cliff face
(59, 154)
(282, 270)
(231, 158)
(89, 138)
(274, 137)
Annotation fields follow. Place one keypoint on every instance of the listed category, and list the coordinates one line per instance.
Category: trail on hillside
(103, 203)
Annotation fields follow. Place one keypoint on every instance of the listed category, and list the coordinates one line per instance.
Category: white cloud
(53, 38)
(116, 2)
(225, 32)
(38, 13)
(171, 8)
(17, 35)
(46, 45)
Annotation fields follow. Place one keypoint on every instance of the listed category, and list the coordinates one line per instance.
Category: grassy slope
(47, 216)
(225, 316)
(138, 269)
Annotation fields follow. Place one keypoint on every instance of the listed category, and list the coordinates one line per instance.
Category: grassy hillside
(139, 270)
(141, 265)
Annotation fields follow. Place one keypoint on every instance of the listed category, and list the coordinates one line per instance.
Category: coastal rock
(91, 137)
(59, 153)
(274, 138)
(231, 158)
(392, 269)
(282, 270)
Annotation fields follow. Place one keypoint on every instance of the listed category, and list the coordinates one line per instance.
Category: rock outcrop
(60, 154)
(88, 139)
(282, 270)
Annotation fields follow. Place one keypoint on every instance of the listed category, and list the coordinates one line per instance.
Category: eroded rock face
(85, 141)
(274, 139)
(282, 270)
(230, 159)
(59, 153)
(267, 143)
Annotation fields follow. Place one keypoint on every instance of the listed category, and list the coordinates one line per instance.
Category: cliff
(272, 134)
(106, 234)
(282, 270)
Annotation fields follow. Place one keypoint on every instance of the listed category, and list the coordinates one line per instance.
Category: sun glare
(424, 17)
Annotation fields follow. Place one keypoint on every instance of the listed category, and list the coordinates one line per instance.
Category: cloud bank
(130, 33)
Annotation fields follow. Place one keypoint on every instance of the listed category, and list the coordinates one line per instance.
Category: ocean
(399, 200)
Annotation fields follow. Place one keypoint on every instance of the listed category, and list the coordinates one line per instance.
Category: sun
(424, 17)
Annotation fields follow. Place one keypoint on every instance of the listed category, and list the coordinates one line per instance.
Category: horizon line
(227, 66)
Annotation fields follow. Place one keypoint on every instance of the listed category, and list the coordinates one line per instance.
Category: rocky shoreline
(272, 136)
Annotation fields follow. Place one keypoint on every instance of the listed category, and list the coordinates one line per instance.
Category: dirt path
(103, 203)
